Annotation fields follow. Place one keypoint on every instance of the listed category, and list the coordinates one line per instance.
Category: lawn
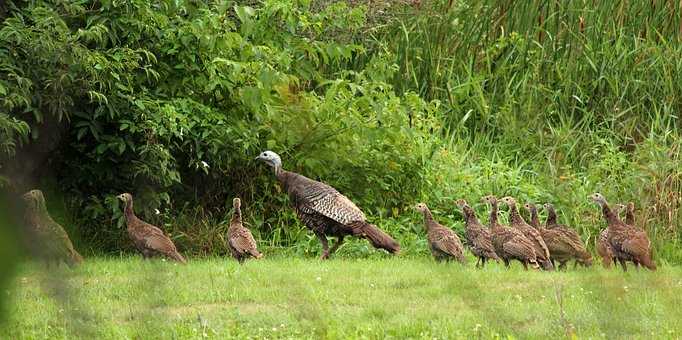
(124, 298)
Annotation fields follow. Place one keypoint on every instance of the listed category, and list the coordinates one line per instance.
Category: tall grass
(550, 101)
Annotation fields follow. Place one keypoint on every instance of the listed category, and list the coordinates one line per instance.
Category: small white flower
(318, 278)
(156, 211)
(274, 329)
(204, 164)
(281, 325)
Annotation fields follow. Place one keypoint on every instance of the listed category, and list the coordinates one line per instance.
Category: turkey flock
(329, 214)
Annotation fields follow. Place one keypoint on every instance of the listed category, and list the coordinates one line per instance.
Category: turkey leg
(325, 246)
(336, 246)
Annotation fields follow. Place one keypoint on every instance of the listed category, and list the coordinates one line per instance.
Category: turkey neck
(493, 215)
(470, 216)
(129, 213)
(551, 217)
(279, 172)
(514, 215)
(237, 216)
(37, 211)
(610, 217)
(534, 220)
(428, 219)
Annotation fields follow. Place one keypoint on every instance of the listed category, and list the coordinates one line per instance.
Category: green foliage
(389, 103)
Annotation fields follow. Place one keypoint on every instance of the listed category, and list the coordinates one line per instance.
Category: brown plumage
(630, 214)
(517, 222)
(564, 243)
(604, 249)
(477, 236)
(629, 210)
(444, 243)
(510, 244)
(241, 242)
(627, 243)
(325, 211)
(47, 238)
(148, 239)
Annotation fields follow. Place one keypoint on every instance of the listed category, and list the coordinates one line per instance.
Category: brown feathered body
(328, 213)
(48, 240)
(444, 243)
(240, 241)
(627, 243)
(148, 239)
(517, 222)
(509, 244)
(604, 248)
(478, 237)
(564, 243)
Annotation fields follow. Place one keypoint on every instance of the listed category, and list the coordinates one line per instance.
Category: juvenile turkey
(517, 222)
(604, 249)
(627, 243)
(241, 242)
(477, 236)
(630, 215)
(148, 239)
(629, 210)
(564, 244)
(325, 211)
(510, 244)
(444, 243)
(49, 240)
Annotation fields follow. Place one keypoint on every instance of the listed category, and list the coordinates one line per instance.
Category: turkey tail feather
(378, 238)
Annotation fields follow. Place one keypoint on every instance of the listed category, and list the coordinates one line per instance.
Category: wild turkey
(564, 244)
(241, 242)
(627, 243)
(630, 214)
(604, 249)
(49, 240)
(551, 223)
(444, 243)
(629, 210)
(517, 222)
(148, 239)
(510, 244)
(477, 236)
(325, 211)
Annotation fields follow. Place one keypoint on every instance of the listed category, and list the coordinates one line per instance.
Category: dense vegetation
(390, 103)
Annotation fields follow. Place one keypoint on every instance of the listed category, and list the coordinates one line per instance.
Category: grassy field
(124, 298)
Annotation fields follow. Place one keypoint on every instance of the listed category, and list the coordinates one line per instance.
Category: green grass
(121, 298)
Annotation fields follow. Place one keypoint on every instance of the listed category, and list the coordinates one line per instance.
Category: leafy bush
(389, 102)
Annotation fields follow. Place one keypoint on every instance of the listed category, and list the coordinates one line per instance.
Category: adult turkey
(444, 243)
(240, 241)
(47, 238)
(510, 244)
(517, 222)
(564, 243)
(477, 236)
(325, 211)
(148, 239)
(627, 243)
